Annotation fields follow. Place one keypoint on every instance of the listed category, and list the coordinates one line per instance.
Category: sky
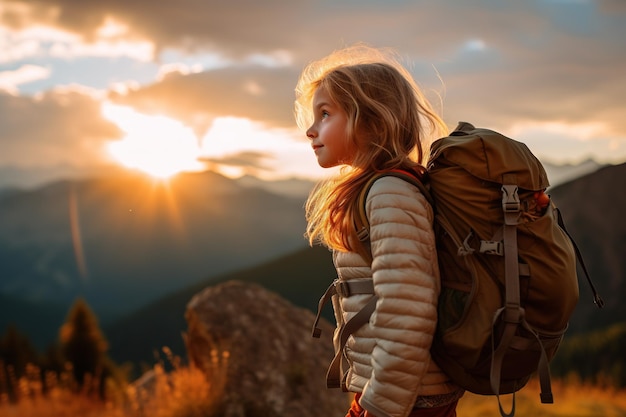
(88, 87)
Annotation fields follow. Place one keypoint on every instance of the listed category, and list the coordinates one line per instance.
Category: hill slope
(593, 209)
(301, 278)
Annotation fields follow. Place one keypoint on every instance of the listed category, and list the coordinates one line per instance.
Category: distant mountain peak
(291, 187)
(562, 173)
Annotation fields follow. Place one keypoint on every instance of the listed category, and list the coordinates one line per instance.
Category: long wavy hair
(389, 121)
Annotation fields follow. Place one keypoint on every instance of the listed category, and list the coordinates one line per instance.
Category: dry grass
(186, 392)
(571, 399)
(183, 392)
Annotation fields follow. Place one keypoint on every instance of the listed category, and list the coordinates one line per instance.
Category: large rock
(257, 348)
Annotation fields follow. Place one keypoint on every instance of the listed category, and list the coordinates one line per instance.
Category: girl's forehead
(321, 96)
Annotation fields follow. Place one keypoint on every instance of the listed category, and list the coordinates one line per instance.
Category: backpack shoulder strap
(361, 222)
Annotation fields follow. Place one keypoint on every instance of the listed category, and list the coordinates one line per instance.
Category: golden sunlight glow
(579, 131)
(112, 28)
(229, 135)
(155, 144)
(237, 146)
(568, 142)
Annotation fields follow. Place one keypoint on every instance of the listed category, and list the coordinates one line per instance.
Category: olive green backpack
(507, 264)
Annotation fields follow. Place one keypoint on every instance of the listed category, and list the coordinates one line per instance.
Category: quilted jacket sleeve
(406, 280)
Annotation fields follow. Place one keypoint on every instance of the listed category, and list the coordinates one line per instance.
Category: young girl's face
(328, 133)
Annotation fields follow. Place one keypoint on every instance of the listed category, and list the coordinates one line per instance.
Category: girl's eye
(324, 114)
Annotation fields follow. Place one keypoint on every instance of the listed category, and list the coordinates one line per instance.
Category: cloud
(234, 26)
(239, 29)
(176, 69)
(612, 6)
(496, 64)
(55, 128)
(254, 159)
(572, 83)
(10, 80)
(258, 93)
(32, 37)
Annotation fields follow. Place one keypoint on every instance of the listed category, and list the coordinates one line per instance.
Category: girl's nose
(310, 133)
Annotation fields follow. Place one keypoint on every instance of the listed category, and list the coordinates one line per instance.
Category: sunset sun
(154, 144)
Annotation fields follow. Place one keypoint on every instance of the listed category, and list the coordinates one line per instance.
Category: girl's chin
(326, 164)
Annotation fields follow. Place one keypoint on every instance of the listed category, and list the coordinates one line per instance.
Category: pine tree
(17, 351)
(84, 346)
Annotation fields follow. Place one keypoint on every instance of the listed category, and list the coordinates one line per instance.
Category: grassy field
(185, 392)
(571, 399)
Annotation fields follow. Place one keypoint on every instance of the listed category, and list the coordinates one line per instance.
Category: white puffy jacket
(389, 358)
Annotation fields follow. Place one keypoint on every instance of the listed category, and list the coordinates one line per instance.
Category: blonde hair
(389, 120)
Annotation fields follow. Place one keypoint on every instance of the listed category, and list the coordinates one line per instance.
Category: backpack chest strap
(345, 288)
(342, 288)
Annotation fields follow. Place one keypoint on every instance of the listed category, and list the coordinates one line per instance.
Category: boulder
(256, 348)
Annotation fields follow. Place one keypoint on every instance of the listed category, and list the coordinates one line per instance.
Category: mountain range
(137, 251)
(123, 242)
(562, 173)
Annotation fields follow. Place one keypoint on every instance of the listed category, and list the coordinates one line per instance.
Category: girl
(362, 110)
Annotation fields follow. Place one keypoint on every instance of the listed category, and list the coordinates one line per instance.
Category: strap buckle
(363, 235)
(510, 204)
(351, 287)
(342, 288)
(491, 247)
(510, 199)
